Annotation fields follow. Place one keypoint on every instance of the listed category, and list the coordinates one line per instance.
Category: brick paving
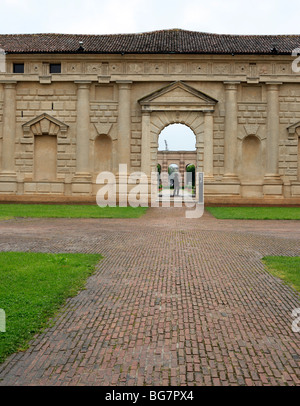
(173, 302)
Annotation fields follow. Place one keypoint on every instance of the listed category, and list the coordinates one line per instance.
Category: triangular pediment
(178, 94)
(292, 128)
(45, 124)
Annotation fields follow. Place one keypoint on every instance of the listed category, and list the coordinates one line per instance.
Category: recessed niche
(104, 93)
(251, 93)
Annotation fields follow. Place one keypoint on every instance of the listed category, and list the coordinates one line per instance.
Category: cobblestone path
(173, 302)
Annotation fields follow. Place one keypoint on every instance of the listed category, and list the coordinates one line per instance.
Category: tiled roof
(157, 42)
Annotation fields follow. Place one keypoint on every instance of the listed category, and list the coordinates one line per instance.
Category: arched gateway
(182, 104)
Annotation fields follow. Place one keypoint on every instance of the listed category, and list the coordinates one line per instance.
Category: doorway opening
(177, 160)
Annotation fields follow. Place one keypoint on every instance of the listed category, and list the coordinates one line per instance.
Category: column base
(82, 176)
(231, 178)
(209, 178)
(273, 186)
(82, 184)
(273, 179)
(8, 182)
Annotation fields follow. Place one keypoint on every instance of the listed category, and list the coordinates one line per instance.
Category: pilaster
(124, 121)
(272, 180)
(146, 164)
(231, 130)
(8, 175)
(209, 146)
(82, 179)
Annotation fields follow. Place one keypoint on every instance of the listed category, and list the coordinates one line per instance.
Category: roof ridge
(152, 32)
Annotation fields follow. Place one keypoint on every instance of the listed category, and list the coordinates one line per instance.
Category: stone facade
(58, 131)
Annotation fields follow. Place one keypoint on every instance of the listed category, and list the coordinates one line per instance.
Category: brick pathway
(174, 302)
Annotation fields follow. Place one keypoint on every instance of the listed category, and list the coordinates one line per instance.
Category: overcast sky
(125, 16)
(129, 16)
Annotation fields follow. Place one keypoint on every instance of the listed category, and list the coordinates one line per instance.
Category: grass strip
(255, 213)
(33, 286)
(68, 211)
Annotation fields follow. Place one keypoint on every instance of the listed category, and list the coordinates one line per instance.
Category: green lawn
(8, 211)
(255, 213)
(286, 268)
(32, 289)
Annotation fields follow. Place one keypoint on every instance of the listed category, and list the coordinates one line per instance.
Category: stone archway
(195, 121)
(178, 103)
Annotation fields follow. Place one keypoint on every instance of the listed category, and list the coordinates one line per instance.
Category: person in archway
(176, 184)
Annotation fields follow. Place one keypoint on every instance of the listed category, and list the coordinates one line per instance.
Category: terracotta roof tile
(156, 42)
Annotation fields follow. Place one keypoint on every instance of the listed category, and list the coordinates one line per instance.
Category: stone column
(208, 145)
(124, 120)
(82, 179)
(83, 129)
(124, 140)
(146, 154)
(231, 126)
(273, 184)
(8, 178)
(9, 129)
(272, 130)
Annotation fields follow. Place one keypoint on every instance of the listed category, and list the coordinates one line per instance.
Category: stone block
(222, 189)
(296, 190)
(252, 191)
(29, 188)
(272, 190)
(81, 188)
(22, 105)
(58, 106)
(8, 187)
(57, 188)
(46, 105)
(45, 92)
(34, 105)
(43, 187)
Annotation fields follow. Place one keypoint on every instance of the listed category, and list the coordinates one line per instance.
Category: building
(72, 106)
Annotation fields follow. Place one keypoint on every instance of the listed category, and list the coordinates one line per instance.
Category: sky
(179, 137)
(128, 16)
(133, 16)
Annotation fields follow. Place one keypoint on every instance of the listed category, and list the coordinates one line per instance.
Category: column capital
(83, 84)
(124, 84)
(208, 112)
(273, 86)
(231, 85)
(9, 84)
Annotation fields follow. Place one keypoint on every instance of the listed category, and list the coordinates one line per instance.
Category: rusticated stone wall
(244, 111)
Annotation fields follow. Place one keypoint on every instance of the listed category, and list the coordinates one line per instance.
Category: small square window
(18, 67)
(55, 68)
